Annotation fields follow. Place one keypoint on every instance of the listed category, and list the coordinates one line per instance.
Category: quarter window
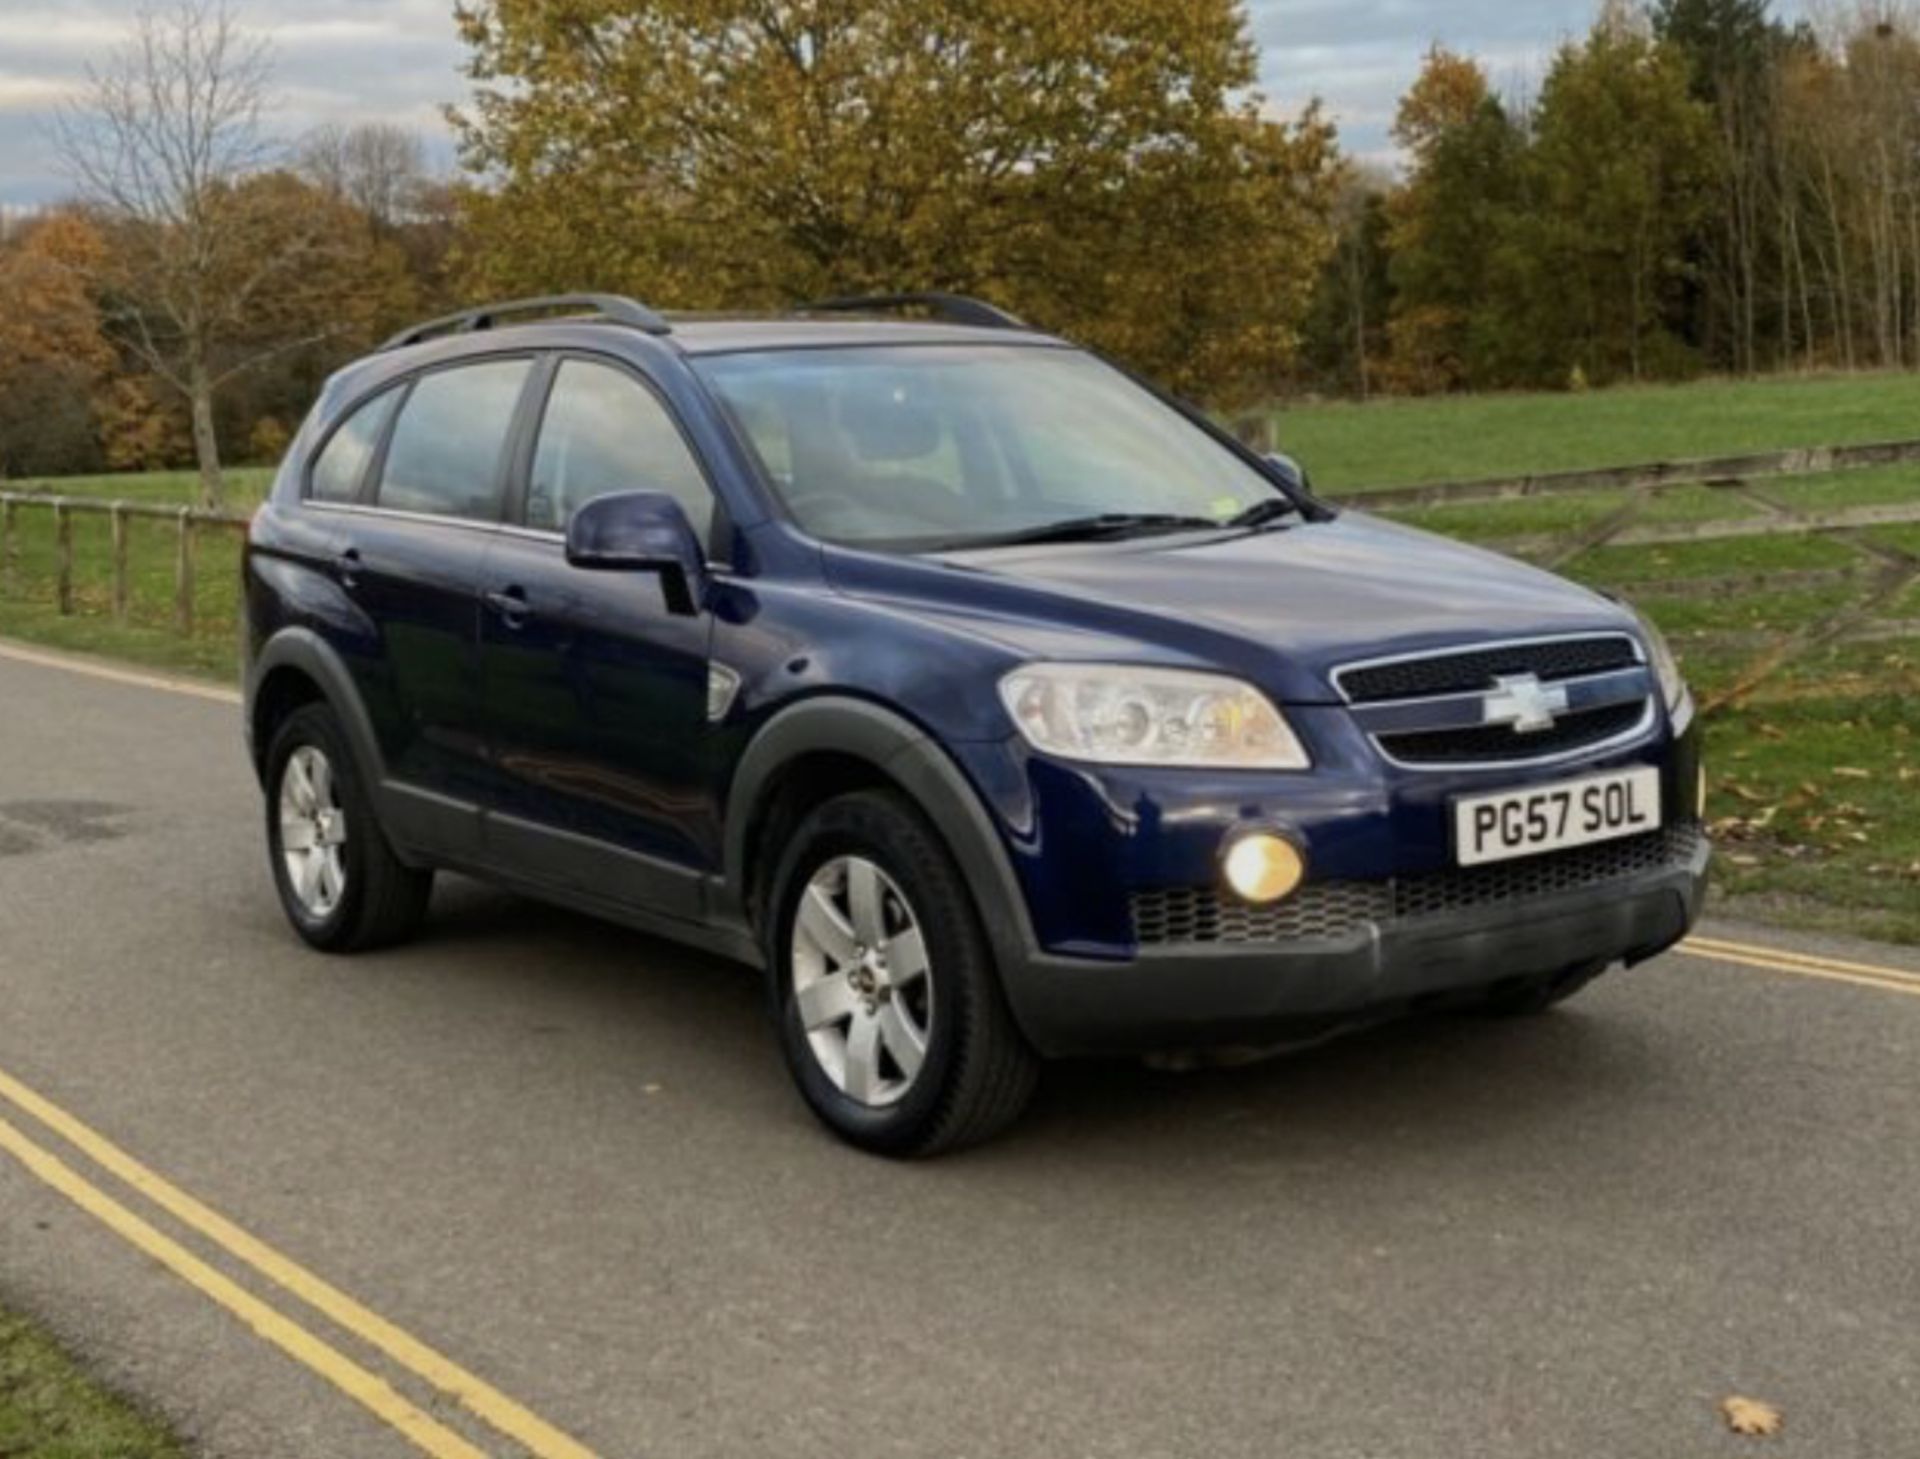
(604, 432)
(444, 458)
(342, 463)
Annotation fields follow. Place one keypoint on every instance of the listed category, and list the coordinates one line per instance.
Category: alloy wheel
(862, 982)
(313, 832)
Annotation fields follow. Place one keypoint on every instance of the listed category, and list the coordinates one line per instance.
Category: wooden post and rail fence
(1729, 472)
(188, 523)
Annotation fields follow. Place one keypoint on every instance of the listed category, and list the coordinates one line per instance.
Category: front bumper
(1194, 996)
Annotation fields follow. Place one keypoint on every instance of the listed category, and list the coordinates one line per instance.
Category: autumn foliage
(1691, 186)
(1098, 167)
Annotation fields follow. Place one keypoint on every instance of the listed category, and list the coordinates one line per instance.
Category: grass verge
(148, 635)
(1814, 776)
(1351, 447)
(49, 1409)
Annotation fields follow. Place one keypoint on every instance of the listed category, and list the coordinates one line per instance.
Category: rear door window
(444, 458)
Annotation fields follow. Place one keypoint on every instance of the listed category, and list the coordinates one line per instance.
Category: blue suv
(996, 705)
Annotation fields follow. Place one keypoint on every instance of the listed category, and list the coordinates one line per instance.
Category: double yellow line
(1804, 965)
(534, 1435)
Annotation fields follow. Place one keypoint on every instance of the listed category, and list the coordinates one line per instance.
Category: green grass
(1776, 612)
(1814, 778)
(1814, 785)
(49, 1409)
(1878, 486)
(1733, 556)
(246, 486)
(212, 653)
(1498, 521)
(1566, 513)
(1904, 538)
(30, 610)
(1350, 447)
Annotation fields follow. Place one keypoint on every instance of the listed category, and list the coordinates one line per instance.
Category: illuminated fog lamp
(1263, 868)
(1700, 794)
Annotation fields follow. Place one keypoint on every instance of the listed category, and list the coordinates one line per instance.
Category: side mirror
(1290, 471)
(641, 531)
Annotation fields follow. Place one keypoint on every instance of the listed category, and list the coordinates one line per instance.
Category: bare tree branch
(169, 126)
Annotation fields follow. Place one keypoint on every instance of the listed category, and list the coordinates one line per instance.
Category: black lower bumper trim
(1192, 997)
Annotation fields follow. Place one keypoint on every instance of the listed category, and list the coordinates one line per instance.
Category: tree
(1724, 41)
(377, 167)
(1623, 165)
(1847, 187)
(162, 147)
(1099, 167)
(1446, 96)
(1447, 222)
(1732, 48)
(1346, 330)
(52, 350)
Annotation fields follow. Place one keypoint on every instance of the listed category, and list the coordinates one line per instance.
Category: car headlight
(1119, 715)
(1666, 668)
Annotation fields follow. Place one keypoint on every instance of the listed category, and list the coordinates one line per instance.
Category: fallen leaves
(1816, 819)
(1750, 1416)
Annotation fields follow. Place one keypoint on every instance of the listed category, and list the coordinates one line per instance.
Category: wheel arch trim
(907, 755)
(303, 650)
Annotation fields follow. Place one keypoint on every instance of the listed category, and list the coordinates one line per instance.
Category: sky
(399, 60)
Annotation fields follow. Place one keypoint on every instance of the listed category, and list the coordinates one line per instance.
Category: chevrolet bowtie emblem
(1522, 701)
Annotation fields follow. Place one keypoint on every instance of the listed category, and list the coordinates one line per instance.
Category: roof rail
(954, 308)
(615, 308)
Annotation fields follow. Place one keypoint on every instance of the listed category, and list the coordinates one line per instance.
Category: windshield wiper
(1264, 512)
(1103, 527)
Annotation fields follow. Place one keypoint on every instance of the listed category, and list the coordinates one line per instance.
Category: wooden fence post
(63, 548)
(9, 547)
(118, 519)
(183, 574)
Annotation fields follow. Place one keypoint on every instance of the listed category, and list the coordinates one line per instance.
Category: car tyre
(889, 1005)
(341, 884)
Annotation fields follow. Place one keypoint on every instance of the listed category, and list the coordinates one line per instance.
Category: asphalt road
(565, 1158)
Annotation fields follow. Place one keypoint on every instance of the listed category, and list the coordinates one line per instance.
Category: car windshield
(932, 447)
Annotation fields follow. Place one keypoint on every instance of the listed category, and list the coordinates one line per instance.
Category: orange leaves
(47, 312)
(1096, 167)
(1447, 93)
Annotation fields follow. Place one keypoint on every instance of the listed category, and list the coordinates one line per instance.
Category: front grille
(1198, 914)
(1471, 670)
(1461, 887)
(1482, 743)
(1177, 915)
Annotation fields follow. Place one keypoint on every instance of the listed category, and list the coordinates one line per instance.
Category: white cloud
(341, 61)
(32, 93)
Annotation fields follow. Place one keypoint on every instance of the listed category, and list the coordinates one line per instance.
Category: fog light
(1700, 794)
(1263, 868)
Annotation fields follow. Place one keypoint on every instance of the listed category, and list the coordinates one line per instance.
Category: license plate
(1554, 817)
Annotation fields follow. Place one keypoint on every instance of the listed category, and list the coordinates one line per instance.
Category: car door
(410, 556)
(595, 690)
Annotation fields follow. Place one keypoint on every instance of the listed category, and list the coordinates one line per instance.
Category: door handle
(511, 605)
(346, 567)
